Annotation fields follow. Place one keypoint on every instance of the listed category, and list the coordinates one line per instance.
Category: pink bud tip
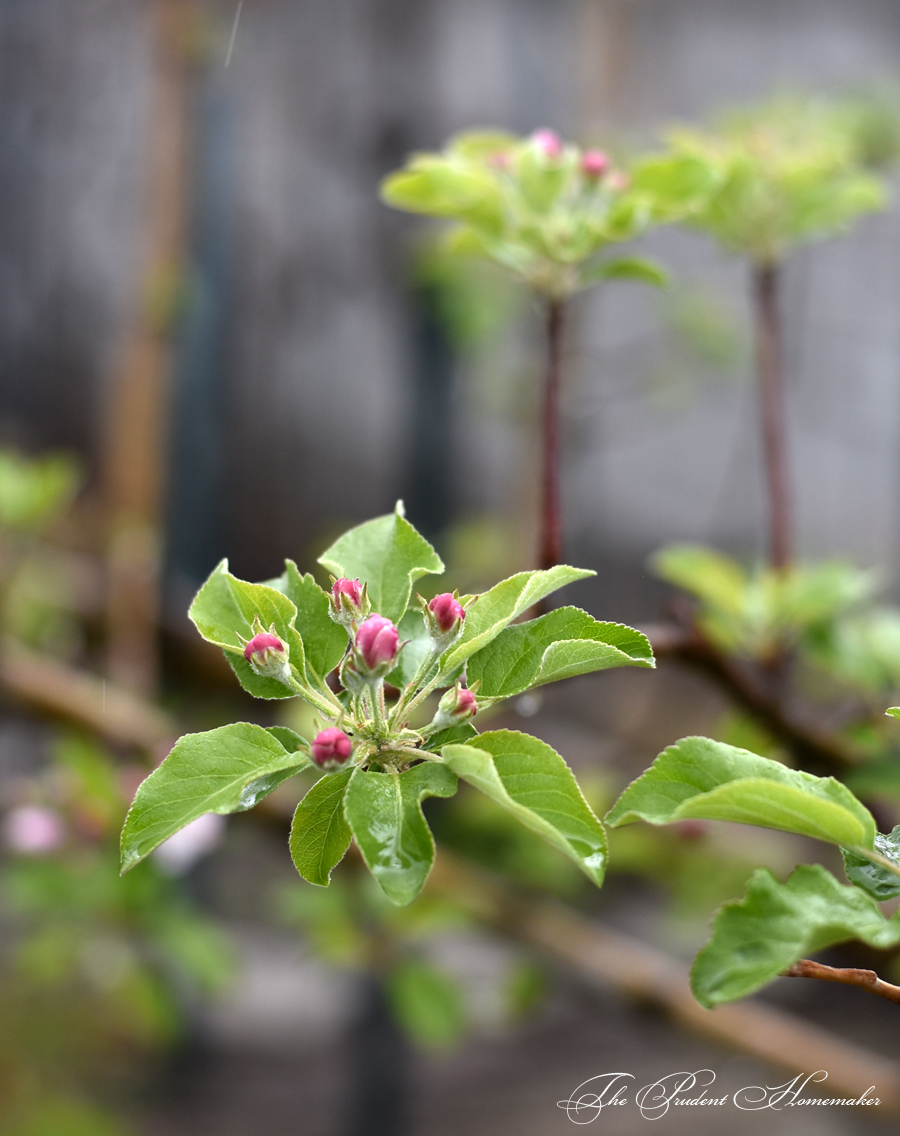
(265, 641)
(447, 610)
(465, 703)
(33, 830)
(618, 181)
(331, 746)
(499, 160)
(350, 588)
(594, 163)
(549, 142)
(377, 641)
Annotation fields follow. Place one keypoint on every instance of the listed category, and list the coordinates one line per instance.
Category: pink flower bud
(618, 181)
(499, 160)
(455, 706)
(331, 748)
(33, 830)
(352, 589)
(258, 649)
(548, 142)
(447, 611)
(594, 163)
(268, 656)
(377, 643)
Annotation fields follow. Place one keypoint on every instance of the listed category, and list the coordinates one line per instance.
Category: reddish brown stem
(849, 976)
(771, 389)
(550, 550)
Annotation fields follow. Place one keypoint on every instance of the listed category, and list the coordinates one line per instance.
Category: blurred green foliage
(786, 171)
(534, 205)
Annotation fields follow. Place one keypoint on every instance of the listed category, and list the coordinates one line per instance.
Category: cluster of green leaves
(377, 797)
(539, 213)
(760, 611)
(758, 937)
(788, 171)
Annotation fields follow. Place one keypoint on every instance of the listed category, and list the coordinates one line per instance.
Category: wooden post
(137, 424)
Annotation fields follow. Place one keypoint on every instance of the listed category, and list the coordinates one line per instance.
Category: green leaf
(529, 779)
(389, 556)
(506, 601)
(893, 711)
(758, 937)
(698, 777)
(290, 739)
(320, 836)
(461, 732)
(324, 641)
(557, 645)
(226, 770)
(625, 268)
(427, 1003)
(876, 880)
(384, 810)
(223, 612)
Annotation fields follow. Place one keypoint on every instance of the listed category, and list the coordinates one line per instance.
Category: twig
(850, 976)
(550, 551)
(771, 390)
(816, 750)
(602, 958)
(79, 697)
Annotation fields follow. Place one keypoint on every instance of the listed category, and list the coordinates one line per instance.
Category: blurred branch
(849, 976)
(602, 958)
(79, 697)
(818, 751)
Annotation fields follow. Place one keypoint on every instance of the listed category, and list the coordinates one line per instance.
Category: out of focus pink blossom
(33, 830)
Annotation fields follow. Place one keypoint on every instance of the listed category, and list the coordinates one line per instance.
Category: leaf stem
(770, 371)
(550, 541)
(410, 688)
(877, 858)
(849, 976)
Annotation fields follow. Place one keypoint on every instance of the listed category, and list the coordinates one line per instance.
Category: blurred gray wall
(301, 371)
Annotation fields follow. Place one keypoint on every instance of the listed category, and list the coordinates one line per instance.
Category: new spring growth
(349, 604)
(331, 748)
(267, 655)
(444, 617)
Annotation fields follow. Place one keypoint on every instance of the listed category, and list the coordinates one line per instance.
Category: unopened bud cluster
(370, 729)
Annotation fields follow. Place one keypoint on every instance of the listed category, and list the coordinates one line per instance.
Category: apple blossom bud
(456, 705)
(33, 830)
(349, 602)
(548, 142)
(268, 656)
(331, 748)
(443, 617)
(594, 163)
(376, 646)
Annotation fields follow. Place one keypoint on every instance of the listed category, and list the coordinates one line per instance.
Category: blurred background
(216, 341)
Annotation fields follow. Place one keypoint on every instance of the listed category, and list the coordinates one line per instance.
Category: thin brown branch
(73, 694)
(849, 976)
(817, 750)
(602, 958)
(550, 550)
(770, 369)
